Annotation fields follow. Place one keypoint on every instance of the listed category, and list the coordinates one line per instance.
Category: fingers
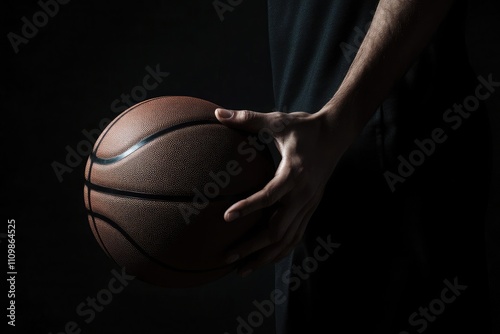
(274, 252)
(298, 236)
(277, 228)
(250, 121)
(272, 192)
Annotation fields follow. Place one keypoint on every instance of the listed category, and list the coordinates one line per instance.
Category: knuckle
(267, 198)
(298, 170)
(247, 115)
(278, 121)
(302, 114)
(279, 116)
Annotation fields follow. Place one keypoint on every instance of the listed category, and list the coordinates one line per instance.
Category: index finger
(272, 192)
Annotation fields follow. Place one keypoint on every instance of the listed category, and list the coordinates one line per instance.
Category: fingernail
(246, 272)
(232, 216)
(224, 113)
(232, 258)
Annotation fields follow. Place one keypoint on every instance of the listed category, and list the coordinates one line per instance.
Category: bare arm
(399, 31)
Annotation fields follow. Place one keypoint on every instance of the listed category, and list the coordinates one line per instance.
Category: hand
(310, 150)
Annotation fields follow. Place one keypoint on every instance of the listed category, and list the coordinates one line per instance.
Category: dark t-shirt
(403, 233)
(313, 43)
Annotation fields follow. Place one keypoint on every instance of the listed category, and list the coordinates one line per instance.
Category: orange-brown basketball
(158, 182)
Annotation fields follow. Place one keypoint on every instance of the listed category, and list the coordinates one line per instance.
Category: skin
(399, 31)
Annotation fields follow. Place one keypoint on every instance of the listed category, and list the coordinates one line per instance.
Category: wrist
(349, 110)
(339, 122)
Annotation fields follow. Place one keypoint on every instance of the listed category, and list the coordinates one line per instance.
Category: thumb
(247, 120)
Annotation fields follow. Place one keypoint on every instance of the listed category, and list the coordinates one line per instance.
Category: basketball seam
(102, 218)
(163, 197)
(148, 139)
(105, 132)
(120, 230)
(90, 172)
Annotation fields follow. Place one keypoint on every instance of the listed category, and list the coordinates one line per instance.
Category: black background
(64, 80)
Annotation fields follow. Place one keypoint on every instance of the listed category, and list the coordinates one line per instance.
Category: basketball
(158, 182)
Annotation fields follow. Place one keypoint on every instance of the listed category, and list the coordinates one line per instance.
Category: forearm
(399, 32)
